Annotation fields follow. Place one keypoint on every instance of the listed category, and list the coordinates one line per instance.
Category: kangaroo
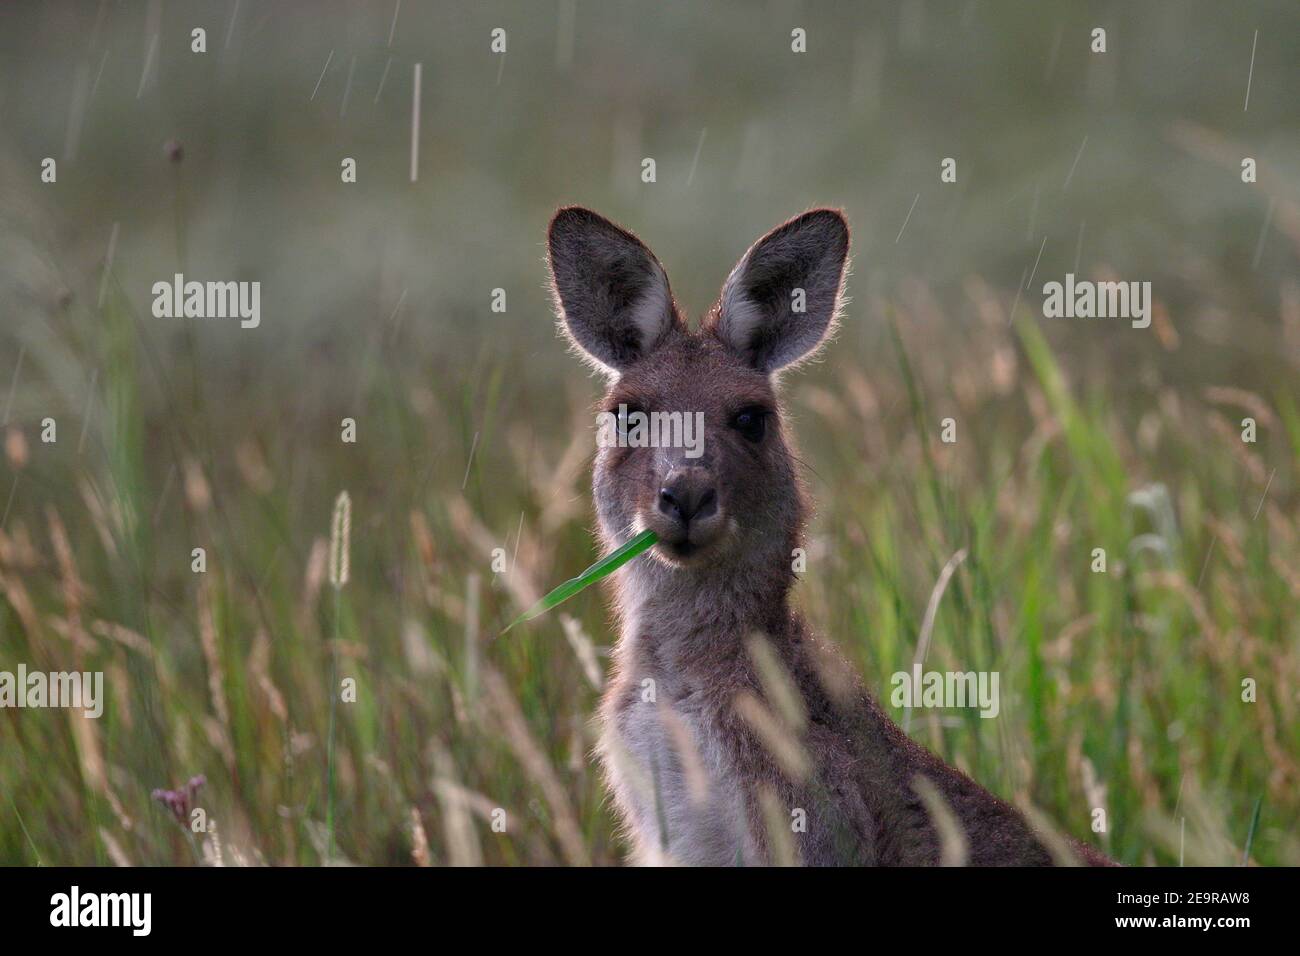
(696, 770)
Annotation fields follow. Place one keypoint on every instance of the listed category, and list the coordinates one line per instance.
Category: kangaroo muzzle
(687, 512)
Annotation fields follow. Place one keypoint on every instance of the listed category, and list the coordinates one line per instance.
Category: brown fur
(688, 609)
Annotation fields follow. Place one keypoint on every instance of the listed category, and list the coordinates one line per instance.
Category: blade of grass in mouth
(602, 568)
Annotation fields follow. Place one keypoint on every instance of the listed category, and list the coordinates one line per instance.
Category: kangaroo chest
(672, 775)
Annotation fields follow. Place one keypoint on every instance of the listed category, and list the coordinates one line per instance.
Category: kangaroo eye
(751, 422)
(621, 415)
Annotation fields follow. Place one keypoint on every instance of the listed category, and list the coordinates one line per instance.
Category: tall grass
(339, 570)
(1122, 690)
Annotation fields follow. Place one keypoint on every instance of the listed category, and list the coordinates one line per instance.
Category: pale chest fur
(669, 741)
(671, 773)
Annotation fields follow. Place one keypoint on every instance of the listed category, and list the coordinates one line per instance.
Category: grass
(1122, 688)
(597, 572)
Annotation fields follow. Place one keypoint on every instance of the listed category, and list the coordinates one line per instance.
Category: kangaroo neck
(694, 618)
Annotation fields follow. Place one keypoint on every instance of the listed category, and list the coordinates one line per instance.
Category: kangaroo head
(728, 494)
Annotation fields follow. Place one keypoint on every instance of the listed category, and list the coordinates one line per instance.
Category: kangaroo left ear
(780, 303)
(612, 294)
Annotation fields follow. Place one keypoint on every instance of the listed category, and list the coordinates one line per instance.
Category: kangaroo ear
(611, 293)
(781, 301)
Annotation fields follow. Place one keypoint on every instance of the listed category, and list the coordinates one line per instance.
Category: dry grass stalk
(16, 448)
(259, 668)
(90, 753)
(780, 837)
(471, 638)
(780, 742)
(559, 504)
(419, 839)
(778, 687)
(114, 849)
(523, 591)
(583, 650)
(74, 591)
(99, 516)
(197, 493)
(479, 804)
(458, 829)
(216, 676)
(423, 539)
(1094, 789)
(421, 657)
(954, 847)
(697, 780)
(340, 540)
(212, 852)
(1057, 844)
(122, 635)
(252, 467)
(538, 768)
(313, 581)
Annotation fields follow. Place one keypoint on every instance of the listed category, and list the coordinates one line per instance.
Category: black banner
(337, 905)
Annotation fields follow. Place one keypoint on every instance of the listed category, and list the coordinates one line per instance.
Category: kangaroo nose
(688, 494)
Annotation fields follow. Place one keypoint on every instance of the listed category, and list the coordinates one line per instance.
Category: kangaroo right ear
(611, 293)
(780, 303)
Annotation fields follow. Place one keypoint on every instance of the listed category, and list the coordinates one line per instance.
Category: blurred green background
(473, 426)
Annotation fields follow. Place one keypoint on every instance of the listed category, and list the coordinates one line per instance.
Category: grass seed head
(340, 534)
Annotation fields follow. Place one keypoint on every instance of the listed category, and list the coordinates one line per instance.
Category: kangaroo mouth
(682, 550)
(686, 544)
(684, 554)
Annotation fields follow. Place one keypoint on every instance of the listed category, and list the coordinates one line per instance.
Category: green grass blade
(1254, 825)
(602, 568)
